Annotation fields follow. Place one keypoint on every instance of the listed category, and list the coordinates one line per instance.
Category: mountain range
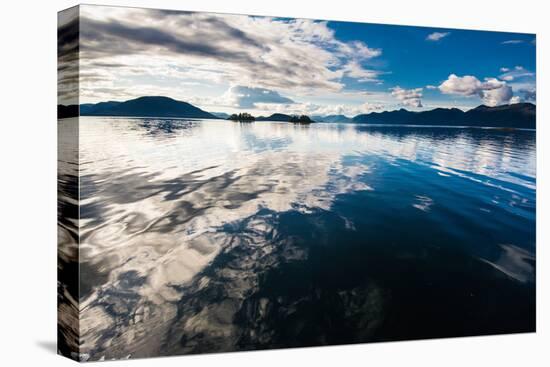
(332, 118)
(146, 107)
(519, 115)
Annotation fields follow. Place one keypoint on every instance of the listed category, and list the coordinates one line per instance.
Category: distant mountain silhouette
(221, 115)
(87, 108)
(519, 115)
(332, 118)
(275, 117)
(145, 107)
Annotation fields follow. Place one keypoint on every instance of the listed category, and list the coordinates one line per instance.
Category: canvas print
(233, 183)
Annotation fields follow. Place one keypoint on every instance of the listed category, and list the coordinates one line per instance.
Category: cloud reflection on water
(180, 220)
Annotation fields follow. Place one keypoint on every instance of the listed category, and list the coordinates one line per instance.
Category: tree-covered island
(244, 116)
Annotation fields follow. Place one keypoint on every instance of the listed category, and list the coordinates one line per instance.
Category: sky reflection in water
(208, 236)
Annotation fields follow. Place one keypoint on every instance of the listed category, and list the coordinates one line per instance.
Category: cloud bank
(247, 97)
(270, 53)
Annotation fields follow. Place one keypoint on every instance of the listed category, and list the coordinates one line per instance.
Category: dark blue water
(209, 236)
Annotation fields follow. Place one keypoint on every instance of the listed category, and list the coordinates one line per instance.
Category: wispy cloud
(408, 97)
(67, 57)
(437, 36)
(271, 53)
(518, 72)
(354, 70)
(522, 80)
(511, 42)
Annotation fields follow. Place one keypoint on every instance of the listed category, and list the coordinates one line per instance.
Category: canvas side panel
(68, 183)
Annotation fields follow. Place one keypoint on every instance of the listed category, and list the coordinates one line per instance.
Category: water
(210, 236)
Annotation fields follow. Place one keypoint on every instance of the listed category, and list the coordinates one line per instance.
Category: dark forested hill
(519, 115)
(145, 107)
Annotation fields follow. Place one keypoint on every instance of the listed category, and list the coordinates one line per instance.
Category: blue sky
(412, 60)
(236, 63)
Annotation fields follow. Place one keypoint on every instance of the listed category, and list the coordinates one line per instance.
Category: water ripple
(203, 236)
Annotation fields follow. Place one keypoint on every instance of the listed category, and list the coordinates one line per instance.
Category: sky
(262, 65)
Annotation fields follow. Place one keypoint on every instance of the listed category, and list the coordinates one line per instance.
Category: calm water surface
(211, 236)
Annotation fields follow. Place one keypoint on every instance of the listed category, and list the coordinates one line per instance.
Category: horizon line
(301, 113)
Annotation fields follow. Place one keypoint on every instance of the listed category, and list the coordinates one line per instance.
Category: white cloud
(466, 86)
(346, 110)
(516, 73)
(511, 42)
(496, 92)
(436, 36)
(408, 97)
(132, 44)
(315, 109)
(359, 49)
(493, 92)
(248, 97)
(354, 70)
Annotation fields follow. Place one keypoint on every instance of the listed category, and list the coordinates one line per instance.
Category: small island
(242, 117)
(303, 119)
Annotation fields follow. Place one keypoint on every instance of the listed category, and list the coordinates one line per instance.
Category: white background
(28, 182)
